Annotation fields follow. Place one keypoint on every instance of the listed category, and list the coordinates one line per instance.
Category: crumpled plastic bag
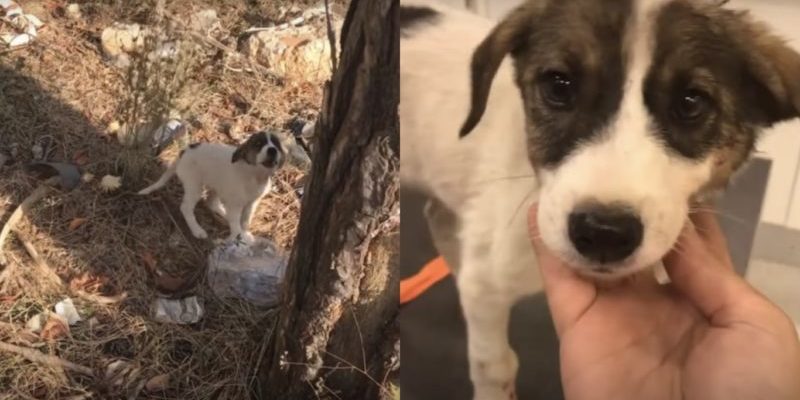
(188, 310)
(253, 273)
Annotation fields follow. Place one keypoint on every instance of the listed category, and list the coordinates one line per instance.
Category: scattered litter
(168, 49)
(67, 310)
(74, 11)
(188, 310)
(37, 151)
(87, 177)
(157, 383)
(298, 156)
(110, 183)
(24, 26)
(113, 127)
(300, 186)
(69, 174)
(250, 272)
(163, 136)
(36, 322)
(301, 128)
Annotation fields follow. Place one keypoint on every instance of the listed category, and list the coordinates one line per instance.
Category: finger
(708, 227)
(568, 295)
(698, 275)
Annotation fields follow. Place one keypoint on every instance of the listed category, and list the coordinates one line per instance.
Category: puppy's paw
(495, 378)
(200, 234)
(247, 237)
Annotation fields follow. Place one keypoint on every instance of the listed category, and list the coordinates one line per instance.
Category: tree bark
(336, 336)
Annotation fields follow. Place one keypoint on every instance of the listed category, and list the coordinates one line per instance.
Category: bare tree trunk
(336, 335)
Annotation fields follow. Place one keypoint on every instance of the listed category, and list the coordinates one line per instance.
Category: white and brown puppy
(236, 178)
(613, 115)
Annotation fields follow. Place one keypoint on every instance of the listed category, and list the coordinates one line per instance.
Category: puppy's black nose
(605, 234)
(272, 152)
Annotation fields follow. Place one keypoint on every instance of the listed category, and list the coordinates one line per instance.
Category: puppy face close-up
(261, 149)
(634, 109)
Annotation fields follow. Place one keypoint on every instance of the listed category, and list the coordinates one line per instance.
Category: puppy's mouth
(272, 159)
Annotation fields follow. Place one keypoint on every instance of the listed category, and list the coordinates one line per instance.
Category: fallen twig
(96, 298)
(39, 357)
(45, 270)
(41, 264)
(23, 207)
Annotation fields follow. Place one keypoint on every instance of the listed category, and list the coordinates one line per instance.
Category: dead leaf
(76, 223)
(90, 283)
(80, 158)
(149, 261)
(294, 41)
(157, 383)
(9, 299)
(55, 328)
(169, 283)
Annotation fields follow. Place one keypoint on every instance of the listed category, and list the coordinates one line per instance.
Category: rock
(73, 11)
(291, 55)
(204, 21)
(297, 49)
(188, 310)
(122, 38)
(119, 40)
(252, 272)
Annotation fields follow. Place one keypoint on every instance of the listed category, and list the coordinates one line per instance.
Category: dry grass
(60, 87)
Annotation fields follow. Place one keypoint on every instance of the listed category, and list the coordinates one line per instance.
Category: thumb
(707, 281)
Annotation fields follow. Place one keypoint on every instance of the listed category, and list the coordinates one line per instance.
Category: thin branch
(26, 204)
(39, 357)
(41, 264)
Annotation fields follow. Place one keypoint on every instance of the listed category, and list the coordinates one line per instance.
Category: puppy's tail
(165, 177)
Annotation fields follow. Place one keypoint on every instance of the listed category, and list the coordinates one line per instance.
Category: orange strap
(429, 275)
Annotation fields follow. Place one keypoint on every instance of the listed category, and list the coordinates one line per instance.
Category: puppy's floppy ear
(248, 151)
(773, 65)
(506, 37)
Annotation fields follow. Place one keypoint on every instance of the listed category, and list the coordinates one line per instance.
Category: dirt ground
(114, 252)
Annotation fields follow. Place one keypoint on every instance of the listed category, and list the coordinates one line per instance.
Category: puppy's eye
(691, 106)
(558, 90)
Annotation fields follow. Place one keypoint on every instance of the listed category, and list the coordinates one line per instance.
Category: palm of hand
(646, 342)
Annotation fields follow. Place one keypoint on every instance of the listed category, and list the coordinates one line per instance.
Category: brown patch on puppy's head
(249, 150)
(746, 77)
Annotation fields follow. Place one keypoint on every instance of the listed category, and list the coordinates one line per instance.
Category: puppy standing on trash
(236, 177)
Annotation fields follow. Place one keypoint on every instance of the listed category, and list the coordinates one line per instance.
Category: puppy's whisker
(521, 204)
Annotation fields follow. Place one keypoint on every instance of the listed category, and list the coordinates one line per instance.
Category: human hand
(708, 335)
